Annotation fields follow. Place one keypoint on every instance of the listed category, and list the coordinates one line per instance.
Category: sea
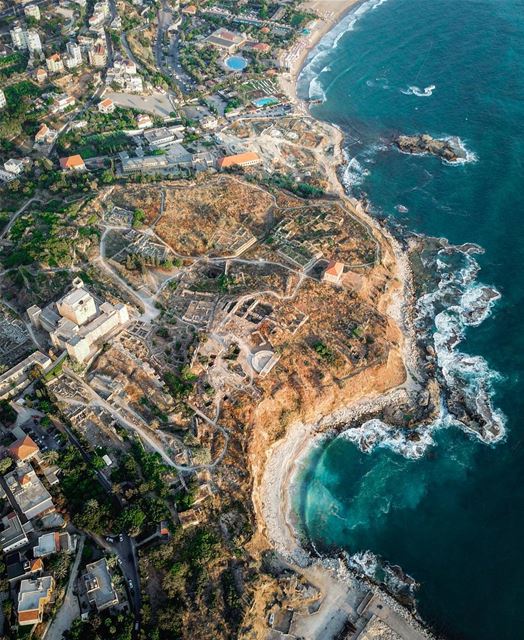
(447, 511)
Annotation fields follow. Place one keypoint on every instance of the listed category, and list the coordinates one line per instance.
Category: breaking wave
(417, 91)
(318, 58)
(375, 433)
(354, 174)
(459, 301)
(380, 571)
(469, 156)
(316, 91)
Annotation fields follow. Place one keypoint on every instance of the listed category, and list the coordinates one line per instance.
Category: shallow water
(452, 518)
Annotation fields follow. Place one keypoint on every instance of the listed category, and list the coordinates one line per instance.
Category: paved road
(15, 217)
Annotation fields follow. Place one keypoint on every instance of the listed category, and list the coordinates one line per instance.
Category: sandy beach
(330, 13)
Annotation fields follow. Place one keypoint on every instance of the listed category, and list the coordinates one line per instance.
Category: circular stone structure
(260, 359)
(236, 63)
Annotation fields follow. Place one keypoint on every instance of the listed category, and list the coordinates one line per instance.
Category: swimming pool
(264, 102)
(236, 63)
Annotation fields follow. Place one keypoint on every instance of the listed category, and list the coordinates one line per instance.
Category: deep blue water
(453, 518)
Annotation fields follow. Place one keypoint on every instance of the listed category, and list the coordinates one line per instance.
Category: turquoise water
(264, 102)
(452, 518)
(236, 63)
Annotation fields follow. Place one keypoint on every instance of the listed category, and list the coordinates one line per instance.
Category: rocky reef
(449, 149)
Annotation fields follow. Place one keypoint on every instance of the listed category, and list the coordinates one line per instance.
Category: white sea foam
(469, 156)
(460, 301)
(316, 91)
(375, 568)
(354, 174)
(375, 434)
(318, 58)
(417, 91)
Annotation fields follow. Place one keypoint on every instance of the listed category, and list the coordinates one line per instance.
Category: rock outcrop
(449, 149)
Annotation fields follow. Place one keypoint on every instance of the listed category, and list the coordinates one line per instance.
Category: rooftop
(24, 448)
(71, 162)
(99, 586)
(238, 159)
(28, 491)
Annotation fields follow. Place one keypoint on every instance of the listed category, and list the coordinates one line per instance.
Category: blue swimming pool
(264, 102)
(236, 63)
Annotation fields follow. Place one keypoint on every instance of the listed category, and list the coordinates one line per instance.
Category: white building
(18, 37)
(16, 378)
(62, 102)
(78, 323)
(34, 43)
(13, 165)
(32, 11)
(3, 101)
(74, 55)
(32, 498)
(54, 63)
(143, 121)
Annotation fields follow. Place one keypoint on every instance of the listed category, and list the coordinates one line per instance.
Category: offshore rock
(449, 149)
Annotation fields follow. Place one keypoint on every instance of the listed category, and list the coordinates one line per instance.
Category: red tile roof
(23, 448)
(71, 162)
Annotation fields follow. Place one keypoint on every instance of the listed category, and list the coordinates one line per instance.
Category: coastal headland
(380, 390)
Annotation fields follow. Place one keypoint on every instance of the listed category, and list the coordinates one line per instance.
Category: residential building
(18, 37)
(54, 63)
(13, 535)
(54, 542)
(27, 490)
(7, 176)
(3, 100)
(132, 83)
(98, 55)
(334, 272)
(18, 567)
(143, 121)
(229, 41)
(15, 379)
(63, 102)
(209, 122)
(32, 11)
(99, 586)
(78, 323)
(45, 134)
(72, 163)
(189, 10)
(74, 55)
(106, 106)
(14, 165)
(32, 599)
(247, 159)
(40, 75)
(34, 43)
(24, 449)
